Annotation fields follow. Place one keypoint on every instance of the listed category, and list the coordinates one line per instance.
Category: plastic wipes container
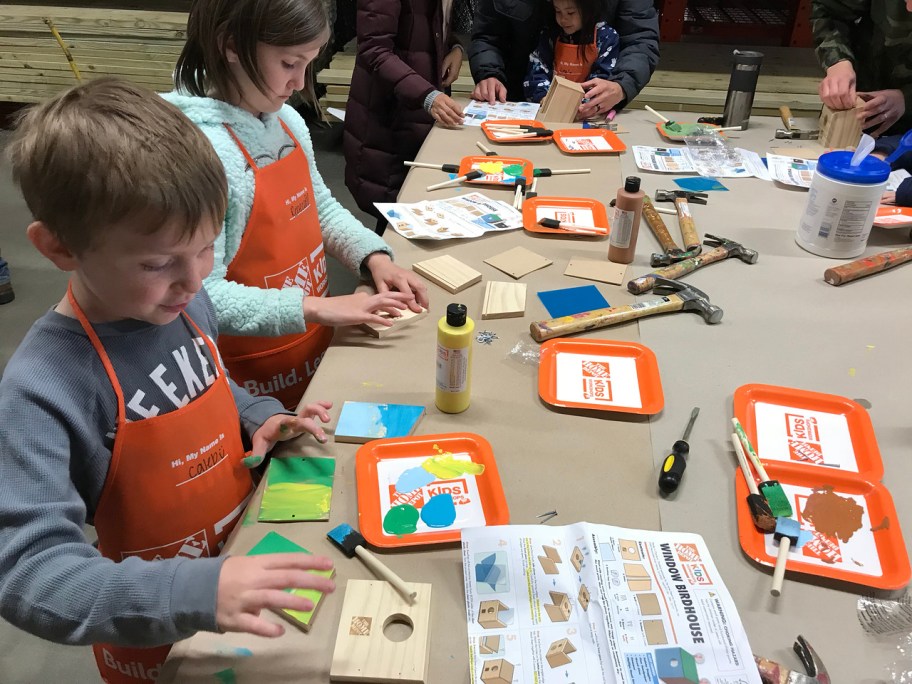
(841, 205)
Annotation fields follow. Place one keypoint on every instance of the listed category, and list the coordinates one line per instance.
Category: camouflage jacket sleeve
(831, 22)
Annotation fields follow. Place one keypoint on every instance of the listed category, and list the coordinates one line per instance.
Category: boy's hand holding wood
(250, 584)
(355, 309)
(390, 277)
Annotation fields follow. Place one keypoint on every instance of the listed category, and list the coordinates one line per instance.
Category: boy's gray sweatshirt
(57, 421)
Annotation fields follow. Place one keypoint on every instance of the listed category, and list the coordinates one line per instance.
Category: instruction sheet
(681, 160)
(596, 603)
(464, 216)
(791, 170)
(476, 113)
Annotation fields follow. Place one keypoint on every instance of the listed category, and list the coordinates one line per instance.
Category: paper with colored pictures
(896, 177)
(791, 170)
(797, 435)
(590, 603)
(683, 160)
(463, 216)
(476, 113)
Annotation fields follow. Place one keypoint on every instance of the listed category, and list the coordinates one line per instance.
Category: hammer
(680, 297)
(774, 673)
(682, 200)
(660, 230)
(723, 248)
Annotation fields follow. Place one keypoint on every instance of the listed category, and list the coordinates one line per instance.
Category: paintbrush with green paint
(759, 509)
(771, 489)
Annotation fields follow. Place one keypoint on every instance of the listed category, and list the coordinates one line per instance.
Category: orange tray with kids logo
(498, 171)
(822, 450)
(580, 211)
(488, 127)
(404, 483)
(606, 375)
(893, 217)
(588, 141)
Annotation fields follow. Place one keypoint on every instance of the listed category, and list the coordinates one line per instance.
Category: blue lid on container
(838, 166)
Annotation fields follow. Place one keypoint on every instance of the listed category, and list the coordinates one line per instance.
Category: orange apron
(282, 247)
(572, 63)
(175, 487)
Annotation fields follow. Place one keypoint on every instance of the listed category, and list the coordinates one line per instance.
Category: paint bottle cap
(456, 315)
(632, 184)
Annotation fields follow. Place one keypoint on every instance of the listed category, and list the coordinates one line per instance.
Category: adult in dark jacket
(506, 32)
(406, 59)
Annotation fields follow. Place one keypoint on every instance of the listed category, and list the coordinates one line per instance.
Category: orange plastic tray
(588, 141)
(893, 217)
(382, 454)
(849, 560)
(493, 166)
(801, 440)
(517, 122)
(568, 204)
(679, 136)
(592, 382)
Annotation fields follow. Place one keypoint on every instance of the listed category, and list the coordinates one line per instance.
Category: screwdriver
(675, 463)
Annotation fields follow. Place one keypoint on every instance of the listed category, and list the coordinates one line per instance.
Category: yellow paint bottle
(454, 360)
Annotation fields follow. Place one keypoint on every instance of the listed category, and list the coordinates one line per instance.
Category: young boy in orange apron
(117, 410)
(577, 46)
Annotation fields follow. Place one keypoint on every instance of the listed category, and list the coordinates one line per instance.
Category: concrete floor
(25, 659)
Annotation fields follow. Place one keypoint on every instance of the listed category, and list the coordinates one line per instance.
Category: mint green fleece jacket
(241, 309)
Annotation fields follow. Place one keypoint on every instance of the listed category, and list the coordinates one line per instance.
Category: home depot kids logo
(692, 564)
(596, 380)
(457, 488)
(803, 436)
(309, 274)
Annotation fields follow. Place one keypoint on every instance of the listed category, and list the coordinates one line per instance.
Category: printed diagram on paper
(580, 216)
(681, 160)
(464, 216)
(791, 170)
(595, 603)
(476, 113)
(804, 436)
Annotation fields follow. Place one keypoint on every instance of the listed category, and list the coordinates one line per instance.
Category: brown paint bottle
(625, 225)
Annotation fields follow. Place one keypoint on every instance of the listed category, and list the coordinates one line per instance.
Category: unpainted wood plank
(447, 272)
(405, 318)
(503, 300)
(518, 261)
(363, 653)
(82, 21)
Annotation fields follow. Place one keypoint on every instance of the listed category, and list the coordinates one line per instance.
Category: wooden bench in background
(143, 46)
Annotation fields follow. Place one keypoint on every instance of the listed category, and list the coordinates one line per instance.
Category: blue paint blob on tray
(572, 300)
(439, 511)
(412, 479)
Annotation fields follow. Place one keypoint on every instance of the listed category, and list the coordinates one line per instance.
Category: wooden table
(783, 325)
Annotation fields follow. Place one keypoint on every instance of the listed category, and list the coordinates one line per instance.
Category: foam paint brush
(572, 227)
(759, 508)
(771, 489)
(470, 176)
(790, 535)
(449, 168)
(544, 173)
(352, 544)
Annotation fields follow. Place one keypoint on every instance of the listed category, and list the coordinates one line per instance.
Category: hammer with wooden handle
(680, 297)
(660, 230)
(722, 249)
(682, 200)
(840, 275)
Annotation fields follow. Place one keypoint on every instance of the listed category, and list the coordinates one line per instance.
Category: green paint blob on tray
(401, 520)
(447, 467)
(226, 676)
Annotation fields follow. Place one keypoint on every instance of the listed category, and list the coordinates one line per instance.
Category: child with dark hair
(576, 44)
(242, 61)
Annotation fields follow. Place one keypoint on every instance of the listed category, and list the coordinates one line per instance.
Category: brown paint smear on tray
(832, 514)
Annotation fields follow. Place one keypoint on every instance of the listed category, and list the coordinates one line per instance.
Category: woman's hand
(882, 109)
(601, 96)
(446, 112)
(452, 63)
(388, 276)
(888, 198)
